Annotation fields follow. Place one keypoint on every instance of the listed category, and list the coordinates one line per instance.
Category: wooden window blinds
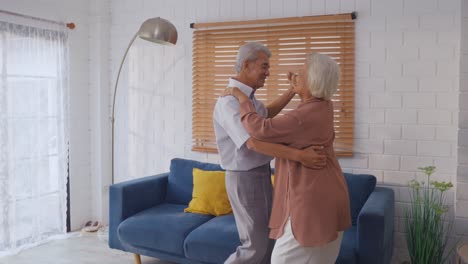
(215, 47)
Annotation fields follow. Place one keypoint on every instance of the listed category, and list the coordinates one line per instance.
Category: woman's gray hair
(249, 52)
(323, 74)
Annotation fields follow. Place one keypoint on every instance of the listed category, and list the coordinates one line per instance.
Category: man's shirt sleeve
(228, 116)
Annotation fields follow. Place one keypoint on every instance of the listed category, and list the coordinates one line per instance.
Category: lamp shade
(158, 30)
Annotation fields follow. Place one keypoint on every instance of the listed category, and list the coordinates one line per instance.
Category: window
(215, 47)
(34, 135)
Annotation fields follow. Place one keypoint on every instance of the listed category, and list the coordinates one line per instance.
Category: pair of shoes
(89, 223)
(91, 226)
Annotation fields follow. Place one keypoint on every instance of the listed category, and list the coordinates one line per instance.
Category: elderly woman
(310, 206)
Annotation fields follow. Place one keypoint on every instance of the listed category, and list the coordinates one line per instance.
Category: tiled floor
(79, 249)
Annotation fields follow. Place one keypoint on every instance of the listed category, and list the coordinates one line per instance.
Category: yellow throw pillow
(209, 193)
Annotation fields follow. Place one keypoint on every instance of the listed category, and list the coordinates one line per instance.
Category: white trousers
(288, 251)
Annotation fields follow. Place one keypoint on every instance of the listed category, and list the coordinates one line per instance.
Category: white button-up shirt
(231, 135)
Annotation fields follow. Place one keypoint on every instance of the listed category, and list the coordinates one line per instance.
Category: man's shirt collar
(247, 90)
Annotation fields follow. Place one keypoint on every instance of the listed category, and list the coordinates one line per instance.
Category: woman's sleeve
(280, 129)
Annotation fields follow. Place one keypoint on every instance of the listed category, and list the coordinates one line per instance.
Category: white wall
(407, 85)
(99, 118)
(77, 12)
(462, 175)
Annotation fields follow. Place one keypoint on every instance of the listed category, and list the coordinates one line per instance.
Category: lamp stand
(113, 104)
(156, 30)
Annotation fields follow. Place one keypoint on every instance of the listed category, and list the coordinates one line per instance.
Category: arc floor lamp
(156, 30)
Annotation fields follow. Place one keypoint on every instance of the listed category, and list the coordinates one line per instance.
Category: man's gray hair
(323, 74)
(249, 52)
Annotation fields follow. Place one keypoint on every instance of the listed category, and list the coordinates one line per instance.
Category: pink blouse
(316, 200)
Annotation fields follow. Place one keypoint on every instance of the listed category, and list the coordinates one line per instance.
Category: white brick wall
(401, 23)
(390, 39)
(462, 175)
(446, 101)
(419, 100)
(407, 84)
(384, 69)
(434, 148)
(461, 209)
(427, 84)
(446, 165)
(418, 38)
(400, 147)
(411, 163)
(401, 116)
(397, 177)
(386, 100)
(367, 146)
(424, 68)
(363, 116)
(384, 162)
(385, 131)
(402, 84)
(413, 132)
(435, 117)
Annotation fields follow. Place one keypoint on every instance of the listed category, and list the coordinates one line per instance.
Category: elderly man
(247, 161)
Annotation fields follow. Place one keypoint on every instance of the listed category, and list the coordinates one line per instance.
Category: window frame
(215, 46)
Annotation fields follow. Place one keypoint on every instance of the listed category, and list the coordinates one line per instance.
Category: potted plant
(427, 229)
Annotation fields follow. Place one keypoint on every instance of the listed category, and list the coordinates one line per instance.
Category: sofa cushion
(213, 241)
(348, 250)
(163, 227)
(180, 181)
(360, 186)
(209, 193)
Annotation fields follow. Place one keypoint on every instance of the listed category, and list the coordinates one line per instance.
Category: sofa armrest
(130, 197)
(375, 227)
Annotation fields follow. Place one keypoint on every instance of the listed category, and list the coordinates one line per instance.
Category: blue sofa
(147, 218)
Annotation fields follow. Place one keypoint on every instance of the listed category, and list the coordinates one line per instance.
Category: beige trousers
(287, 250)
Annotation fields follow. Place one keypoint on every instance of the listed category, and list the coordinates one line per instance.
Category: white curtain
(34, 114)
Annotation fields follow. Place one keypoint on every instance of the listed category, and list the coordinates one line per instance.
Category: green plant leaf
(426, 226)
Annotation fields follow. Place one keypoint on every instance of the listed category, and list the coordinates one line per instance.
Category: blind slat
(275, 43)
(272, 29)
(286, 36)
